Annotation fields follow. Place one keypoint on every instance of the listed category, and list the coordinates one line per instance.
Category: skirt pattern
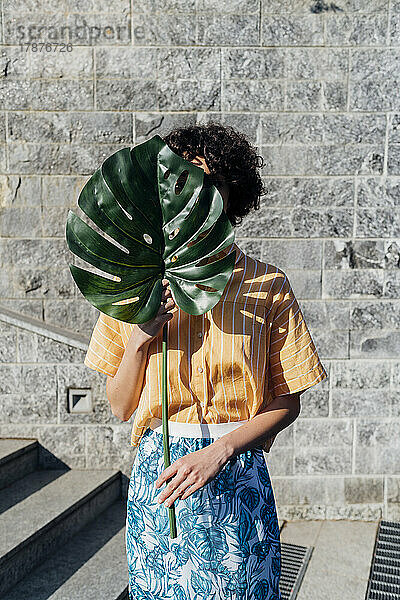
(228, 540)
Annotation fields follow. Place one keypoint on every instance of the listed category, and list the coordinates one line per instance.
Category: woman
(235, 376)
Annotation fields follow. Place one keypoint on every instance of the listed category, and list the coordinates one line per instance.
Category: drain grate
(384, 576)
(294, 561)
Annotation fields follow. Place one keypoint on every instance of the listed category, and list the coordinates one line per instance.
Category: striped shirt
(224, 365)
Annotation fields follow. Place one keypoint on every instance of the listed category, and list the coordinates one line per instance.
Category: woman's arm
(124, 389)
(279, 413)
(192, 471)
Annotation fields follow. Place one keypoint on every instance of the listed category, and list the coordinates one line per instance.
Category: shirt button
(200, 370)
(199, 334)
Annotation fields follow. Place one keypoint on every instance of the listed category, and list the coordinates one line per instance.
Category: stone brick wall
(315, 85)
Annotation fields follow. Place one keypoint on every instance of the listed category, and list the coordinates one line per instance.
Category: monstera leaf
(169, 219)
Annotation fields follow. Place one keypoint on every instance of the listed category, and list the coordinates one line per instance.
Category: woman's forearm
(280, 413)
(124, 389)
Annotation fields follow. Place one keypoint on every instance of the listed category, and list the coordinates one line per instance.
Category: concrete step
(90, 566)
(43, 510)
(18, 457)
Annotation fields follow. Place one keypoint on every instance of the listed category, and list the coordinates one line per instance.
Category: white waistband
(194, 430)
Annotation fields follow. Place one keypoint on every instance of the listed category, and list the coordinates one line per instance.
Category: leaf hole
(206, 288)
(167, 173)
(126, 301)
(174, 258)
(173, 233)
(180, 182)
(148, 238)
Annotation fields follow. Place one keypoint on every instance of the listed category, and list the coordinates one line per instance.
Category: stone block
(354, 254)
(356, 30)
(45, 282)
(14, 63)
(228, 6)
(8, 347)
(279, 460)
(188, 63)
(18, 191)
(363, 490)
(292, 30)
(300, 512)
(391, 285)
(77, 63)
(322, 433)
(374, 192)
(393, 489)
(109, 447)
(394, 159)
(41, 252)
(39, 158)
(327, 460)
(15, 94)
(252, 95)
(329, 65)
(303, 6)
(299, 490)
(377, 344)
(304, 95)
(188, 94)
(75, 315)
(355, 512)
(315, 401)
(305, 283)
(35, 127)
(132, 94)
(41, 379)
(227, 30)
(174, 28)
(126, 63)
(11, 381)
(253, 63)
(68, 94)
(61, 191)
(30, 406)
(377, 459)
(377, 222)
(334, 96)
(352, 284)
(372, 76)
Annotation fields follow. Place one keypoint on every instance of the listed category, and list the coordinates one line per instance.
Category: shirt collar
(231, 248)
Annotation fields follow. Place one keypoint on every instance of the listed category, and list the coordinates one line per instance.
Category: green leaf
(155, 204)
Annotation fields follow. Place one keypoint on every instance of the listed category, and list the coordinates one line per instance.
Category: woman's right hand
(149, 330)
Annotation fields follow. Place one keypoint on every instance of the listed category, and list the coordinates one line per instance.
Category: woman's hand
(191, 472)
(146, 332)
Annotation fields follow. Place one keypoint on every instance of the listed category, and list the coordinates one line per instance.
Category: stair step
(44, 510)
(18, 457)
(90, 566)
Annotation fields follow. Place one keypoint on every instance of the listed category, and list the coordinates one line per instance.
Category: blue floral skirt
(228, 539)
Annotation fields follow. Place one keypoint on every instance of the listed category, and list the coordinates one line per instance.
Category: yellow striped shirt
(226, 364)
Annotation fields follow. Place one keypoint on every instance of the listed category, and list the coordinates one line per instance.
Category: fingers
(167, 302)
(179, 484)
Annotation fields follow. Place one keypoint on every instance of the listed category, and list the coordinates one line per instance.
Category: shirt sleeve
(294, 364)
(106, 346)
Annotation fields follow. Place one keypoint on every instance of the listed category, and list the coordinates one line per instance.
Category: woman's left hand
(191, 472)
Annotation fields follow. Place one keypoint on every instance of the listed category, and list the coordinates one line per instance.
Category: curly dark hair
(228, 154)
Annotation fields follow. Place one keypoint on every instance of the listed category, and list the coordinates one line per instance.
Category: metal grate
(384, 576)
(294, 561)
